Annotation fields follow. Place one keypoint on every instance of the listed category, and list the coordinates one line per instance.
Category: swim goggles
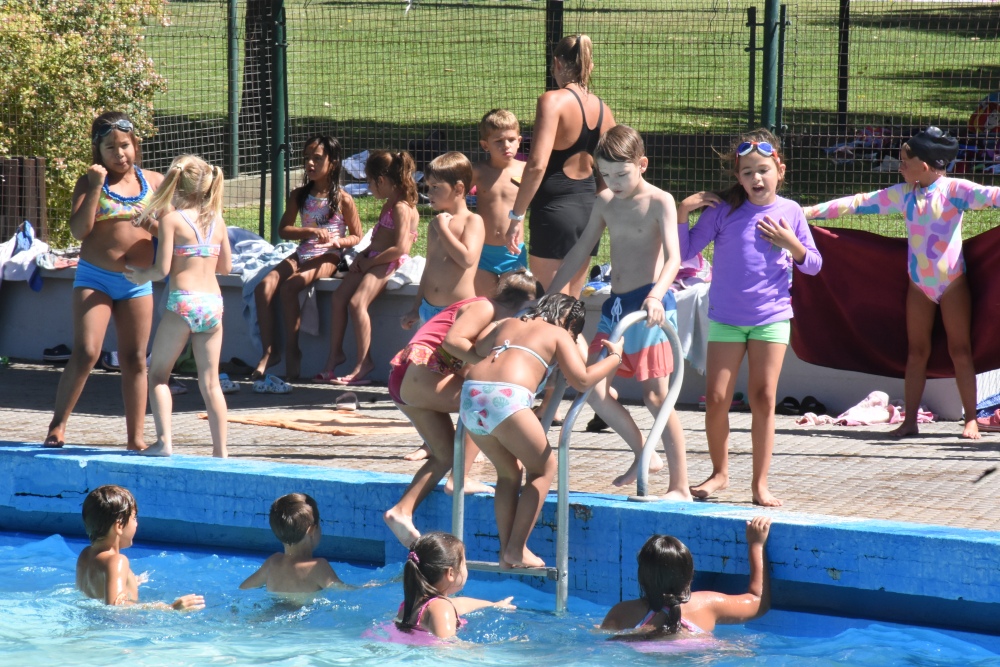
(105, 130)
(747, 147)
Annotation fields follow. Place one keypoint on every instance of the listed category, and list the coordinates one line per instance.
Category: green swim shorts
(775, 332)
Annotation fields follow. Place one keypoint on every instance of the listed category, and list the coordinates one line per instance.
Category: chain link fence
(857, 78)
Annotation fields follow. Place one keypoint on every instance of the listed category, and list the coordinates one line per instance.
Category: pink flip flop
(351, 381)
(991, 423)
(326, 377)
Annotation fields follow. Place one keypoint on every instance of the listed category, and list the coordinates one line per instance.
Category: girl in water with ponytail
(194, 246)
(434, 570)
(390, 177)
(667, 606)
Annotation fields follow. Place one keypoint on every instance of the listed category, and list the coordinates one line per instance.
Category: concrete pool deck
(833, 470)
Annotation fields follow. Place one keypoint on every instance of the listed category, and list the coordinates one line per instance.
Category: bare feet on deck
(471, 486)
(137, 446)
(54, 439)
(358, 376)
(160, 448)
(764, 498)
(971, 430)
(683, 495)
(905, 429)
(525, 558)
(632, 474)
(715, 482)
(401, 526)
(419, 454)
(269, 359)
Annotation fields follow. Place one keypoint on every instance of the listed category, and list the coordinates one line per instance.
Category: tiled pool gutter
(903, 572)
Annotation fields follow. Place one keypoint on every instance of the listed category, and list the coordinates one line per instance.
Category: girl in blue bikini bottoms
(194, 246)
(496, 409)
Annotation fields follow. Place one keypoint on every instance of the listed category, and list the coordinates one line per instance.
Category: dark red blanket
(852, 315)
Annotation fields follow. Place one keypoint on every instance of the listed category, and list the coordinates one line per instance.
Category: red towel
(852, 315)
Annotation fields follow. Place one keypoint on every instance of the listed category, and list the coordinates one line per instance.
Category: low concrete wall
(905, 572)
(32, 321)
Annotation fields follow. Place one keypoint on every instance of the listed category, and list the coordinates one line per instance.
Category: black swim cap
(934, 146)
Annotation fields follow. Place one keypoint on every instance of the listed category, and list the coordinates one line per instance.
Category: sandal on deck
(990, 424)
(271, 384)
(789, 406)
(228, 386)
(348, 401)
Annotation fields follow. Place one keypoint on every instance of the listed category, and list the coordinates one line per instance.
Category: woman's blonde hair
(191, 183)
(577, 54)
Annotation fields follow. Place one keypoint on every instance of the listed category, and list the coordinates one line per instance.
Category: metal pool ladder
(560, 573)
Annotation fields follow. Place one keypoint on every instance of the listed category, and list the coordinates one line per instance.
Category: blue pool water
(45, 621)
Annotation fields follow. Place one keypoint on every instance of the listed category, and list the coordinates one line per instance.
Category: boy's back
(283, 573)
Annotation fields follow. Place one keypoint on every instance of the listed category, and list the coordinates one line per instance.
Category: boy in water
(645, 254)
(454, 240)
(295, 521)
(496, 181)
(102, 571)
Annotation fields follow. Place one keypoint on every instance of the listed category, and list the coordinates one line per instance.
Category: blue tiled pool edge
(896, 571)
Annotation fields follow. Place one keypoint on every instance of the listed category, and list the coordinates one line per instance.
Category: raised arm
(472, 320)
(756, 601)
(580, 252)
(889, 200)
(86, 196)
(464, 605)
(465, 248)
(578, 375)
(973, 196)
(692, 240)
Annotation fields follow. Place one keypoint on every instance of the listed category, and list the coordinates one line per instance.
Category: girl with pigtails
(434, 570)
(194, 246)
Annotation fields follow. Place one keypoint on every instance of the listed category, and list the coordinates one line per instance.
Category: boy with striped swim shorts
(645, 254)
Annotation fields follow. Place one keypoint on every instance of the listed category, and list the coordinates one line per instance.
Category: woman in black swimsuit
(559, 180)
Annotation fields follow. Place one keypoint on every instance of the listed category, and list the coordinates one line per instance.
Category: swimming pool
(45, 621)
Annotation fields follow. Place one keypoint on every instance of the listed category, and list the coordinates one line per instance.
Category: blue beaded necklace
(144, 190)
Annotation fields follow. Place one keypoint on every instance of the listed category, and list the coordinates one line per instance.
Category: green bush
(65, 62)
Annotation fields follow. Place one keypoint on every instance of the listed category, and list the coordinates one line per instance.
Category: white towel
(692, 318)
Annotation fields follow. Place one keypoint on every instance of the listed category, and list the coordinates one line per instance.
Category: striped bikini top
(201, 248)
(112, 205)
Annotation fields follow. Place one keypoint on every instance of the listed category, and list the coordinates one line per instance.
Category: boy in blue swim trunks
(496, 180)
(454, 240)
(645, 256)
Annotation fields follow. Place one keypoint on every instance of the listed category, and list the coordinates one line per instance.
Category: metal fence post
(843, 71)
(752, 67)
(553, 33)
(233, 91)
(278, 108)
(769, 87)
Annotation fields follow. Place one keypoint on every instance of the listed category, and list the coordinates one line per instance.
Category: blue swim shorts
(498, 260)
(111, 283)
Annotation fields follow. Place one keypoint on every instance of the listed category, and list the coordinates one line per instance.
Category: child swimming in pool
(194, 246)
(668, 607)
(434, 570)
(102, 571)
(295, 521)
(496, 409)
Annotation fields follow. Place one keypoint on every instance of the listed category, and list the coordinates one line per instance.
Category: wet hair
(666, 569)
(430, 557)
(517, 287)
(451, 168)
(560, 310)
(398, 167)
(335, 154)
(497, 120)
(190, 183)
(292, 516)
(620, 144)
(104, 507)
(576, 54)
(106, 119)
(736, 195)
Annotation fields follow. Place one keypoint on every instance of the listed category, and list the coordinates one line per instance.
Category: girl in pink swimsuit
(933, 204)
(390, 177)
(330, 223)
(667, 607)
(434, 570)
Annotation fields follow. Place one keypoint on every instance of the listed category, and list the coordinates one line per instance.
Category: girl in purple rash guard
(758, 237)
